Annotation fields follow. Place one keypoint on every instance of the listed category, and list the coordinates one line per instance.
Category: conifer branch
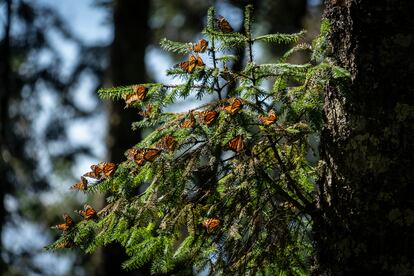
(200, 202)
(292, 183)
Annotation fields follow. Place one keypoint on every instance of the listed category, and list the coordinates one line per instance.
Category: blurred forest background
(53, 57)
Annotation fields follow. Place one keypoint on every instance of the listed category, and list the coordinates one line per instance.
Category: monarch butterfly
(149, 110)
(208, 117)
(139, 156)
(107, 168)
(87, 213)
(95, 172)
(81, 185)
(102, 170)
(150, 154)
(224, 25)
(201, 46)
(211, 224)
(236, 144)
(168, 142)
(227, 74)
(270, 119)
(138, 95)
(190, 122)
(65, 226)
(67, 243)
(235, 105)
(191, 64)
(133, 154)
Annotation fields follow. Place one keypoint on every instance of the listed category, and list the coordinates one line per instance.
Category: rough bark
(131, 37)
(366, 221)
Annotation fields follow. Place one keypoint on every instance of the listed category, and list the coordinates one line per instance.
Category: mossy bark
(365, 223)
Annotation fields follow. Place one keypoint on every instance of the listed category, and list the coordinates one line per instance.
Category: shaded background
(54, 55)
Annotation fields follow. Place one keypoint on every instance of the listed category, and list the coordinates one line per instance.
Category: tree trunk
(131, 37)
(366, 221)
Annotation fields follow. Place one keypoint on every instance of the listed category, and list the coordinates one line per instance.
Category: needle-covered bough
(231, 182)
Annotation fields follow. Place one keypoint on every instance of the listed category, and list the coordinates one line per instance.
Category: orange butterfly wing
(224, 25)
(136, 155)
(208, 117)
(211, 224)
(139, 162)
(65, 244)
(149, 110)
(68, 220)
(107, 168)
(62, 227)
(270, 119)
(65, 226)
(87, 212)
(201, 46)
(189, 123)
(184, 65)
(191, 64)
(132, 154)
(200, 62)
(235, 105)
(95, 172)
(151, 154)
(81, 185)
(139, 156)
(138, 95)
(168, 142)
(236, 144)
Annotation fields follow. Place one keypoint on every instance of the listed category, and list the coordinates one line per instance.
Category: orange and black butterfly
(208, 117)
(224, 25)
(227, 74)
(65, 226)
(88, 212)
(235, 105)
(191, 64)
(201, 46)
(81, 185)
(95, 172)
(139, 94)
(108, 168)
(270, 119)
(102, 170)
(148, 112)
(132, 154)
(211, 224)
(67, 243)
(168, 143)
(139, 156)
(150, 154)
(236, 144)
(190, 122)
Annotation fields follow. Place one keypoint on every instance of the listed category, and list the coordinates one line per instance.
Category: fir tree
(231, 182)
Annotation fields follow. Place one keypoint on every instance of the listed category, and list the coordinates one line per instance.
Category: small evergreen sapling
(230, 184)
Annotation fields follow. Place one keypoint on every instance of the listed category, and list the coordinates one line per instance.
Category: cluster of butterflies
(195, 60)
(87, 213)
(104, 170)
(140, 156)
(99, 172)
(205, 117)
